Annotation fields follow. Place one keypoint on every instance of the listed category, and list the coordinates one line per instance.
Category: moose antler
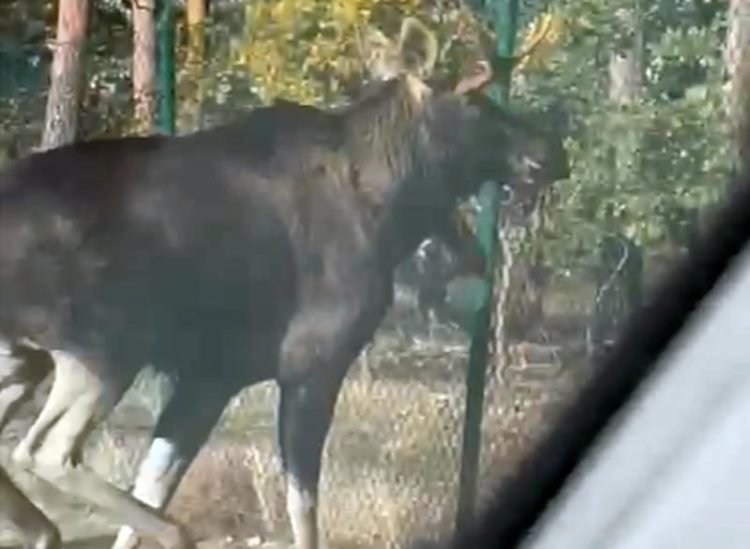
(498, 63)
(547, 23)
(501, 63)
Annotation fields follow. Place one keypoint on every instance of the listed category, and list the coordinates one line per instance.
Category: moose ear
(379, 54)
(417, 48)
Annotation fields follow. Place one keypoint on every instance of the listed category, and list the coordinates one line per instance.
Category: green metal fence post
(505, 15)
(506, 23)
(166, 64)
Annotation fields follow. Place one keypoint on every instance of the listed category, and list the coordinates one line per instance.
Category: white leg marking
(124, 536)
(302, 510)
(155, 472)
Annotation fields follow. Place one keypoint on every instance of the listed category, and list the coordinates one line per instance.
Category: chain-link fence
(637, 90)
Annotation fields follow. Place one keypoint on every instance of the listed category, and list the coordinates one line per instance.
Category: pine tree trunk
(66, 79)
(195, 11)
(193, 88)
(737, 59)
(144, 64)
(626, 61)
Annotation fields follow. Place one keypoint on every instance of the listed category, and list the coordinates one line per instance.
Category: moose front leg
(182, 429)
(316, 354)
(305, 413)
(70, 406)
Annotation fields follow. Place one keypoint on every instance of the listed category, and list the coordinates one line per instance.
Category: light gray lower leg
(66, 414)
(37, 530)
(73, 383)
(64, 436)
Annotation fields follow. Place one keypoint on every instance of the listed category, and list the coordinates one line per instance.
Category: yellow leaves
(284, 14)
(312, 51)
(306, 50)
(542, 37)
(346, 12)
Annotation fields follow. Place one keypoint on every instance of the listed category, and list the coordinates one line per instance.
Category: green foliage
(640, 170)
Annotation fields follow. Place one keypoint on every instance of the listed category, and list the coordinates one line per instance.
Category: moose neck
(383, 139)
(408, 152)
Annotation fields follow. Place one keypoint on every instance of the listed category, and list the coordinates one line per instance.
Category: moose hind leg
(66, 435)
(37, 530)
(69, 409)
(74, 388)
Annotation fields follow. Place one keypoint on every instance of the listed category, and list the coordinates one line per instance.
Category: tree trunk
(193, 85)
(619, 275)
(66, 79)
(144, 63)
(626, 62)
(195, 11)
(625, 83)
(737, 59)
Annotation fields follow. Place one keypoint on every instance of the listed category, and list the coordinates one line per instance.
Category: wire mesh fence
(636, 88)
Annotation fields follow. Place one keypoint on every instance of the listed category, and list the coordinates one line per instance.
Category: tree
(626, 58)
(521, 275)
(619, 271)
(737, 59)
(671, 139)
(195, 11)
(144, 63)
(192, 83)
(66, 79)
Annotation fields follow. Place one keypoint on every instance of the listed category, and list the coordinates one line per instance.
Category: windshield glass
(307, 271)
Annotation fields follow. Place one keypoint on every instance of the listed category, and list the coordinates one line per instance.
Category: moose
(262, 249)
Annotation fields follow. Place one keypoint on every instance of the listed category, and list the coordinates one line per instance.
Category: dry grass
(218, 497)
